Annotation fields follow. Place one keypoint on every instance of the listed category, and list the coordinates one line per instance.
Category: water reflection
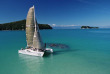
(31, 64)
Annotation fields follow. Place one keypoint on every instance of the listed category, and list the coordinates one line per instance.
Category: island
(20, 25)
(88, 27)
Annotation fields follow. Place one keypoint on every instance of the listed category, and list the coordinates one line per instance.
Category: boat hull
(35, 53)
(49, 50)
(31, 52)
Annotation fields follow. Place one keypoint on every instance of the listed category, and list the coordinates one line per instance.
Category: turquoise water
(88, 53)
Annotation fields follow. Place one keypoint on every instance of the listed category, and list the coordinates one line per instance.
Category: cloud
(54, 25)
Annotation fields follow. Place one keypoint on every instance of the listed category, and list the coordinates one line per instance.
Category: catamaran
(35, 45)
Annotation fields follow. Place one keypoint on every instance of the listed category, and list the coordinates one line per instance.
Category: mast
(30, 27)
(37, 41)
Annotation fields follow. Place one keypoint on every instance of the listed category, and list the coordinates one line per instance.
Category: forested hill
(20, 25)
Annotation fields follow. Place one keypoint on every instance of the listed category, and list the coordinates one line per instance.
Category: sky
(62, 13)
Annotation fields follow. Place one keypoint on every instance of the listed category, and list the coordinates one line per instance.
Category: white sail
(30, 27)
(37, 41)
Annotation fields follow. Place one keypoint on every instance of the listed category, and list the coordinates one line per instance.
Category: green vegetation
(20, 25)
(88, 27)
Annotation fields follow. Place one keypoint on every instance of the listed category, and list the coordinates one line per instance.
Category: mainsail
(32, 31)
(30, 27)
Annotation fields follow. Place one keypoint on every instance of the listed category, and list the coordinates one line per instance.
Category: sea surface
(88, 52)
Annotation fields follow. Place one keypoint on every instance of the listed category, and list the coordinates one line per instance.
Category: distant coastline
(88, 27)
(20, 25)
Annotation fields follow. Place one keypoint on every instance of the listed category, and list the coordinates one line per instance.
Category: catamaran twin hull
(31, 52)
(35, 53)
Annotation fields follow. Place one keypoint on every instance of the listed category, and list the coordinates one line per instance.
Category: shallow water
(88, 53)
